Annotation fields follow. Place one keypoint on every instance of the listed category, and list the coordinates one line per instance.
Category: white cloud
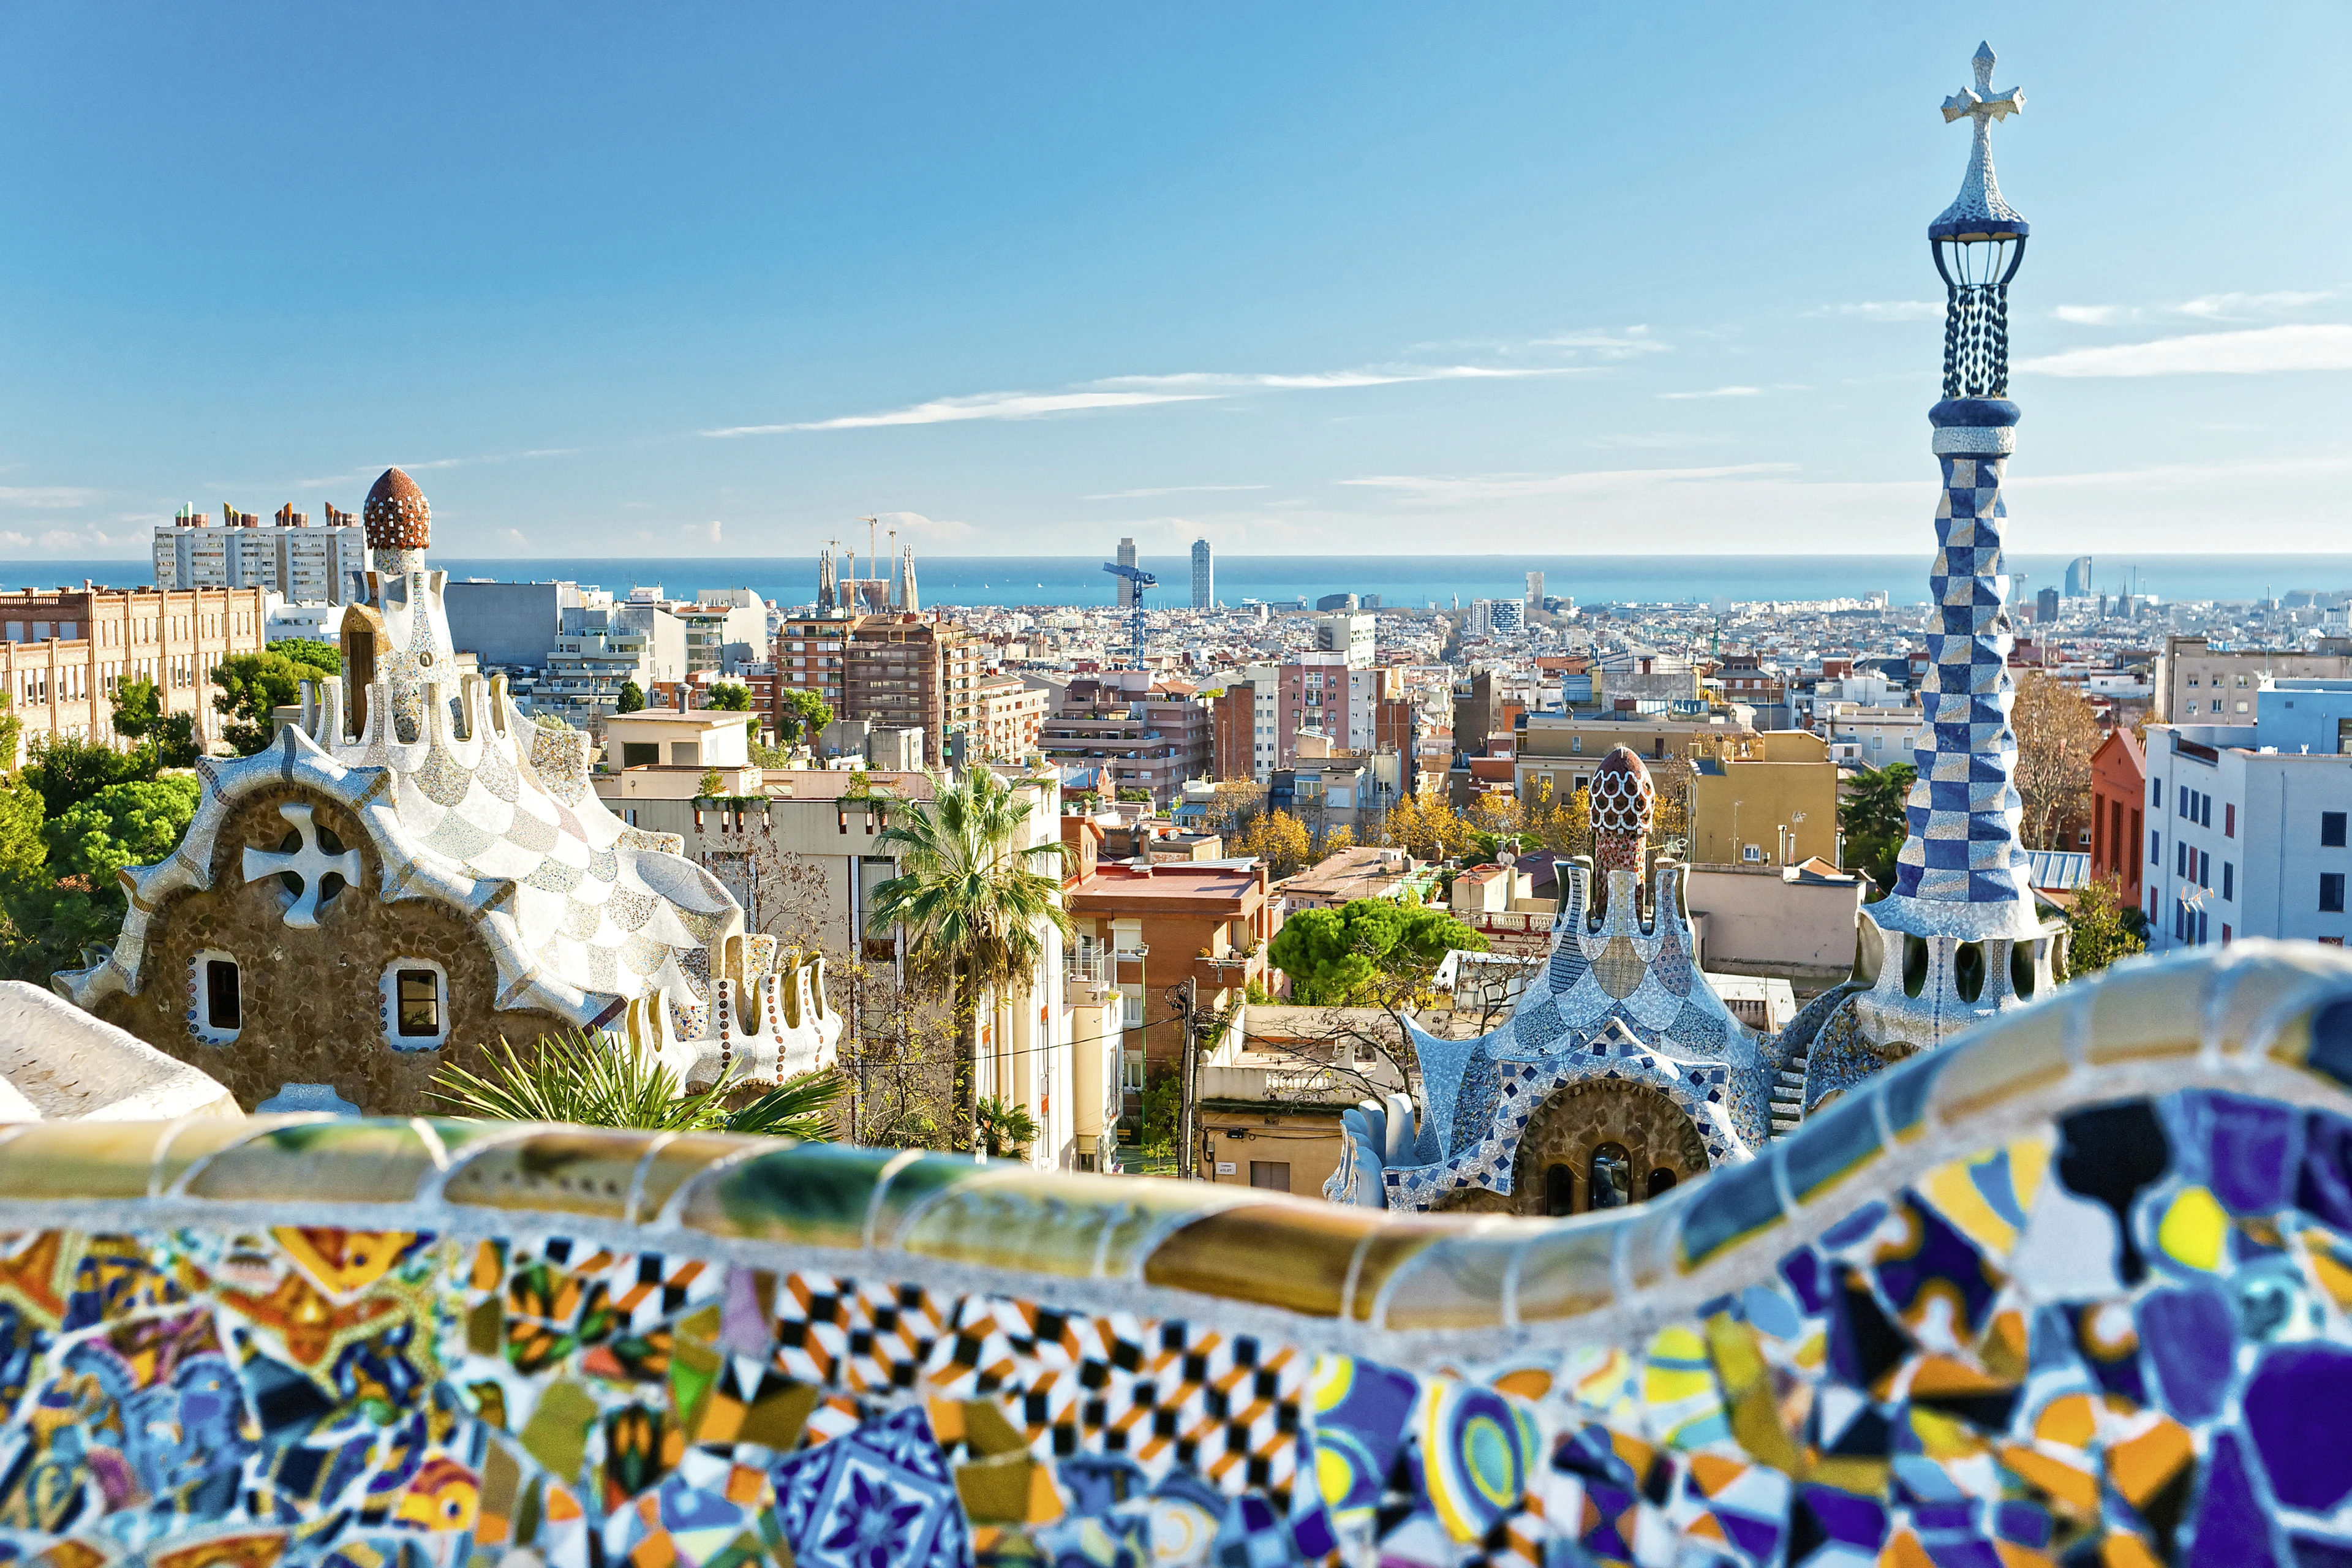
(1623, 344)
(1719, 391)
(2238, 307)
(914, 528)
(2317, 345)
(46, 496)
(2089, 315)
(1446, 490)
(984, 405)
(711, 529)
(1139, 391)
(1169, 490)
(1885, 310)
(513, 536)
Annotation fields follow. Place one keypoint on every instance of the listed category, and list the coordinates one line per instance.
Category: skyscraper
(1535, 592)
(1128, 591)
(2078, 577)
(1205, 577)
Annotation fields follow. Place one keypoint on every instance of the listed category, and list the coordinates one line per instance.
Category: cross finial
(1981, 102)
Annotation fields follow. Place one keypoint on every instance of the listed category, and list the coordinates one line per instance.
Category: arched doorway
(1602, 1143)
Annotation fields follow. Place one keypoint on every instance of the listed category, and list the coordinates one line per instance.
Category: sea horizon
(1410, 582)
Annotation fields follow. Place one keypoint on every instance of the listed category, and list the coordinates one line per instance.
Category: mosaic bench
(2072, 1289)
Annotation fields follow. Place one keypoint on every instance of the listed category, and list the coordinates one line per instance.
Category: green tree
(632, 698)
(307, 651)
(67, 771)
(253, 684)
(710, 786)
(804, 713)
(138, 708)
(1871, 817)
(69, 897)
(969, 895)
(729, 698)
(1334, 955)
(2103, 928)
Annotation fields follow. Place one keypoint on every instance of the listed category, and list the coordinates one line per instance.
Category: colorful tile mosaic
(2076, 1288)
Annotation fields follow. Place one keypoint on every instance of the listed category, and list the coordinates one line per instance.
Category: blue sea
(1411, 581)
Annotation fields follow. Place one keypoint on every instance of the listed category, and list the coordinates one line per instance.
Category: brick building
(900, 670)
(1157, 926)
(67, 650)
(2118, 799)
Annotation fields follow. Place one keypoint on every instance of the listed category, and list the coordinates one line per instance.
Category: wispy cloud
(1142, 391)
(1883, 309)
(2241, 307)
(2226, 307)
(1717, 392)
(1444, 489)
(2315, 345)
(984, 405)
(1170, 490)
(46, 497)
(1625, 344)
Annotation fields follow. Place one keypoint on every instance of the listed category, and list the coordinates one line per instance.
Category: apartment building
(66, 651)
(2247, 825)
(1265, 708)
(1559, 751)
(325, 565)
(2196, 683)
(1766, 800)
(1136, 736)
(2118, 802)
(1011, 716)
(1152, 928)
(910, 672)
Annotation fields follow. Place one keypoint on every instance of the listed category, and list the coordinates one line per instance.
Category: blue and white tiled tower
(1959, 937)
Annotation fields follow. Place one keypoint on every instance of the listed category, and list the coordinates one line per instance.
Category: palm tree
(591, 1081)
(971, 899)
(1003, 1124)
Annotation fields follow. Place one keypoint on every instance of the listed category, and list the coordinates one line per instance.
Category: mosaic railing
(2073, 1288)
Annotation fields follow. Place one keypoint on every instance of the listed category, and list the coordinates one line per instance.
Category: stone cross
(1980, 101)
(310, 863)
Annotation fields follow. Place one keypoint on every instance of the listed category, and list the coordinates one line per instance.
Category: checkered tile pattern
(1964, 811)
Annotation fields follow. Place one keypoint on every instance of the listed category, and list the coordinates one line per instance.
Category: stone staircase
(1788, 1095)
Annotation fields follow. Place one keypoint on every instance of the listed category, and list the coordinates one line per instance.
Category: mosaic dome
(1625, 801)
(397, 515)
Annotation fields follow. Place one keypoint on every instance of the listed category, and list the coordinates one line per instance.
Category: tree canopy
(806, 713)
(253, 684)
(1871, 817)
(632, 699)
(1332, 955)
(728, 696)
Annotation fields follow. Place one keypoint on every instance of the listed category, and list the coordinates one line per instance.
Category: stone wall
(1575, 1120)
(310, 999)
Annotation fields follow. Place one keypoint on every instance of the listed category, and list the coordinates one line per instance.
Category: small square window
(420, 1002)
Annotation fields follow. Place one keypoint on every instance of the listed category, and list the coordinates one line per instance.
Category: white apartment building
(322, 565)
(1497, 619)
(2196, 683)
(1350, 634)
(1870, 736)
(2247, 824)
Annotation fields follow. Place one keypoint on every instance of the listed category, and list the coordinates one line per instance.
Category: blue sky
(716, 280)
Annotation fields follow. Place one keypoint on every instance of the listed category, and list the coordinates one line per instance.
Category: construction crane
(1140, 580)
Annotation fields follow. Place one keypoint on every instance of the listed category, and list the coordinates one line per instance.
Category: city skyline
(1298, 285)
